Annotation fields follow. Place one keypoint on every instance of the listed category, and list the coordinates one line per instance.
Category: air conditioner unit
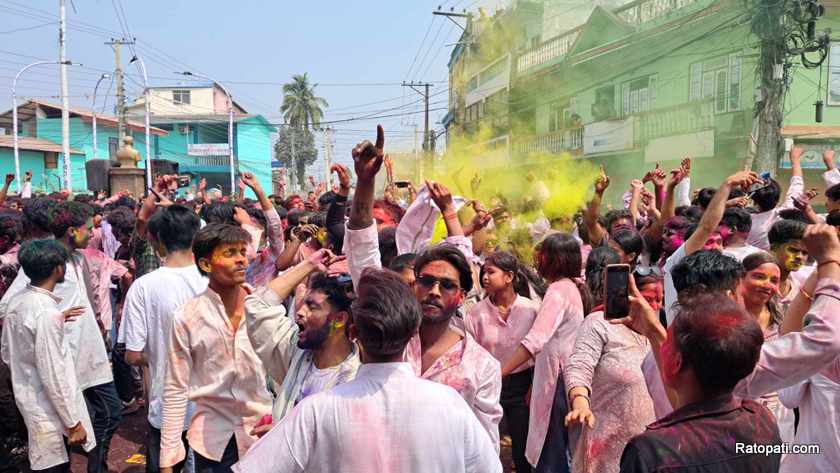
(184, 129)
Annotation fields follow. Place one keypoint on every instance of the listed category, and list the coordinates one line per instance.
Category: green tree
(295, 149)
(302, 110)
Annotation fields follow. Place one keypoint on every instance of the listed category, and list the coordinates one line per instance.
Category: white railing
(554, 142)
(642, 11)
(547, 51)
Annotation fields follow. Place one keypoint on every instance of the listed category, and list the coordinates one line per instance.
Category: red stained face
(383, 218)
(653, 294)
(227, 264)
(761, 284)
(715, 242)
(672, 240)
(438, 290)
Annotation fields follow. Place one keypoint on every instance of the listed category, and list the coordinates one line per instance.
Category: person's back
(711, 436)
(387, 419)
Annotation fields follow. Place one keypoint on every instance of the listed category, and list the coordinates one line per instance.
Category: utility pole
(425, 94)
(116, 44)
(328, 150)
(65, 96)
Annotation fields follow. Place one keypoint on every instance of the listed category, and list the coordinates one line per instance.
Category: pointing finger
(380, 137)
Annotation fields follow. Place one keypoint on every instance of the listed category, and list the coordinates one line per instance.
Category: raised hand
(636, 185)
(441, 196)
(250, 180)
(642, 319)
(743, 179)
(323, 259)
(602, 181)
(686, 166)
(828, 159)
(202, 185)
(796, 154)
(368, 157)
(9, 178)
(822, 243)
(343, 176)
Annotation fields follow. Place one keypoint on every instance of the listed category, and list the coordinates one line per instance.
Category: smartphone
(617, 303)
(184, 181)
(402, 184)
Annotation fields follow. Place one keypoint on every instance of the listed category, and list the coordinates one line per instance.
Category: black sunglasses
(447, 285)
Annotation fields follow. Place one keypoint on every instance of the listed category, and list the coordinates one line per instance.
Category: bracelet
(572, 400)
(810, 297)
(819, 265)
(450, 215)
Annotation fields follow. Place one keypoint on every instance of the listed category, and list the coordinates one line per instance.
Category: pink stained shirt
(473, 372)
(550, 342)
(218, 370)
(264, 267)
(498, 336)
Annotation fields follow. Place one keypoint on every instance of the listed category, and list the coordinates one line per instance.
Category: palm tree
(301, 108)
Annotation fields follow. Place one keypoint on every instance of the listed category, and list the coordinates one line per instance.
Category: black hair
(795, 215)
(39, 258)
(122, 221)
(125, 201)
(833, 218)
(218, 212)
(706, 271)
(403, 262)
(630, 242)
(718, 340)
(833, 192)
(68, 215)
(704, 197)
(214, 235)
(83, 198)
(11, 227)
(338, 292)
(615, 215)
(785, 231)
(509, 264)
(387, 245)
(174, 227)
(596, 263)
(767, 197)
(386, 315)
(36, 212)
(692, 213)
(453, 256)
(737, 218)
(257, 216)
(558, 257)
(326, 199)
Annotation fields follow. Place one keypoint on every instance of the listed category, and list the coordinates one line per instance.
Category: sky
(357, 51)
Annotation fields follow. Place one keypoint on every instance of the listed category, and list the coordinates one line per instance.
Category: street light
(230, 126)
(15, 115)
(103, 76)
(148, 111)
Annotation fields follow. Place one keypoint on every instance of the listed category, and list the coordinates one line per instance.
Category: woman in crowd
(607, 390)
(758, 287)
(549, 343)
(499, 323)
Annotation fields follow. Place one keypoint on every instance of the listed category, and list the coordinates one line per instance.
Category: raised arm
(274, 225)
(714, 212)
(5, 190)
(594, 230)
(360, 240)
(636, 187)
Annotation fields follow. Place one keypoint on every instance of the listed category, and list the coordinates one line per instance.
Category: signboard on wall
(208, 149)
(812, 157)
(697, 145)
(608, 136)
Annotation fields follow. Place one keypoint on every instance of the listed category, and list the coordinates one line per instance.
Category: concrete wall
(42, 180)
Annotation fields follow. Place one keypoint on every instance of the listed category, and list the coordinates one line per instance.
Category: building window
(50, 160)
(181, 97)
(604, 106)
(639, 95)
(717, 80)
(113, 147)
(834, 75)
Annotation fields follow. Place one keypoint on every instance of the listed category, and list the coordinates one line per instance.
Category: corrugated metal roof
(33, 144)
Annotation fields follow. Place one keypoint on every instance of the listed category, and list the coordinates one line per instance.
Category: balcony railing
(555, 142)
(547, 51)
(642, 11)
(685, 118)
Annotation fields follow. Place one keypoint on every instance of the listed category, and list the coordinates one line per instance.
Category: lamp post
(15, 115)
(95, 149)
(148, 112)
(230, 126)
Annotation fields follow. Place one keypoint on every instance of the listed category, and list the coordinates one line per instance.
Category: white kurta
(386, 420)
(43, 376)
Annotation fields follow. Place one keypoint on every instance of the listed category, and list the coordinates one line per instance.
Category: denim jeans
(229, 458)
(554, 457)
(105, 411)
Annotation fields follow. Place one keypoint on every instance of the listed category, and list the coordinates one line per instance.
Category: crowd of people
(333, 332)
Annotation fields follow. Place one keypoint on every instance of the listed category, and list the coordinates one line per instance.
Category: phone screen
(617, 304)
(402, 184)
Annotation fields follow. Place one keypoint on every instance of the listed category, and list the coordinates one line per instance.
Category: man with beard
(312, 352)
(440, 352)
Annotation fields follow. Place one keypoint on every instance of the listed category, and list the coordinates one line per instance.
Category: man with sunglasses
(440, 352)
(311, 352)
